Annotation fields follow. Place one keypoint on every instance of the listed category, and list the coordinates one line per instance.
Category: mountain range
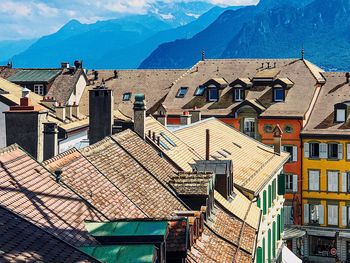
(123, 42)
(272, 29)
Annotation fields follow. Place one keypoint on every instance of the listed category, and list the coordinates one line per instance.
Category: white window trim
(239, 94)
(39, 89)
(332, 215)
(332, 181)
(314, 180)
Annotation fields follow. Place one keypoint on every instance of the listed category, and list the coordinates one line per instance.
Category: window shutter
(259, 255)
(306, 150)
(323, 150)
(321, 214)
(344, 182)
(340, 151)
(295, 154)
(348, 151)
(281, 184)
(306, 213)
(295, 183)
(343, 215)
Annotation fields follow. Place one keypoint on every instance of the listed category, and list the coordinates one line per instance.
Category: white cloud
(34, 18)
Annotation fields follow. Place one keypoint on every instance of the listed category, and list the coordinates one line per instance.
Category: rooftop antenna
(302, 52)
(203, 55)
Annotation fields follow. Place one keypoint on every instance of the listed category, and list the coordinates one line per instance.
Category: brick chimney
(60, 111)
(48, 102)
(185, 118)
(100, 113)
(277, 139)
(196, 115)
(140, 115)
(24, 126)
(50, 140)
(76, 111)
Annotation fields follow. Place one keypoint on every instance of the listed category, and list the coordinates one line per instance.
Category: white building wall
(78, 141)
(3, 107)
(79, 89)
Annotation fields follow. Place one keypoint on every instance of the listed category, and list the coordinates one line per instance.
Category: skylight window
(222, 154)
(200, 91)
(168, 139)
(127, 96)
(182, 92)
(164, 145)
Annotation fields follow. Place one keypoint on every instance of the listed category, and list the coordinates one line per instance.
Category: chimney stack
(60, 111)
(162, 118)
(50, 140)
(76, 111)
(100, 113)
(347, 75)
(78, 64)
(24, 126)
(48, 102)
(69, 113)
(277, 139)
(64, 65)
(196, 115)
(140, 115)
(207, 145)
(185, 118)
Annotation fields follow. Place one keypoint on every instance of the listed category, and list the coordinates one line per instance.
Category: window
(345, 215)
(314, 180)
(182, 92)
(316, 212)
(333, 151)
(288, 129)
(268, 128)
(332, 212)
(39, 89)
(291, 181)
(340, 115)
(213, 93)
(239, 94)
(167, 139)
(293, 151)
(332, 181)
(127, 96)
(345, 182)
(278, 94)
(264, 203)
(288, 215)
(249, 127)
(200, 91)
(314, 150)
(322, 246)
(348, 151)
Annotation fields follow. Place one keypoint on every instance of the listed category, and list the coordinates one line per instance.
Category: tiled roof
(192, 184)
(29, 190)
(302, 73)
(34, 75)
(94, 186)
(176, 239)
(141, 187)
(22, 241)
(182, 154)
(155, 84)
(6, 72)
(321, 121)
(251, 172)
(64, 85)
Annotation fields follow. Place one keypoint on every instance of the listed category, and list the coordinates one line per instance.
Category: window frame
(328, 151)
(239, 90)
(249, 133)
(318, 215)
(337, 115)
(337, 211)
(337, 190)
(41, 88)
(198, 91)
(278, 88)
(210, 89)
(310, 151)
(180, 94)
(319, 175)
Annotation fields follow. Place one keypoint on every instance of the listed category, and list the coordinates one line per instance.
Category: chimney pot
(58, 176)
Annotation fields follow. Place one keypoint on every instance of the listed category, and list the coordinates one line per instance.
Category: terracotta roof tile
(94, 186)
(23, 241)
(29, 190)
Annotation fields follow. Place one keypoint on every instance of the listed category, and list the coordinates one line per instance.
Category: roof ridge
(10, 148)
(60, 156)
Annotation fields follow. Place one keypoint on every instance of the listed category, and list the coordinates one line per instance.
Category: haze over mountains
(272, 29)
(172, 35)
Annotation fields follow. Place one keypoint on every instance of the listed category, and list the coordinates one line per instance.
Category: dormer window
(213, 93)
(340, 115)
(200, 91)
(127, 96)
(239, 93)
(278, 94)
(182, 92)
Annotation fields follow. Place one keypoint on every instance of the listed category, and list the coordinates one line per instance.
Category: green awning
(34, 75)
(123, 254)
(127, 228)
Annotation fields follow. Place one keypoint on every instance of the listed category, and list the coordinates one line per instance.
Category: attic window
(278, 94)
(182, 92)
(213, 93)
(239, 94)
(127, 96)
(340, 115)
(168, 139)
(200, 91)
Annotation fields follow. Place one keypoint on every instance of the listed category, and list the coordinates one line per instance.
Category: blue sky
(33, 18)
